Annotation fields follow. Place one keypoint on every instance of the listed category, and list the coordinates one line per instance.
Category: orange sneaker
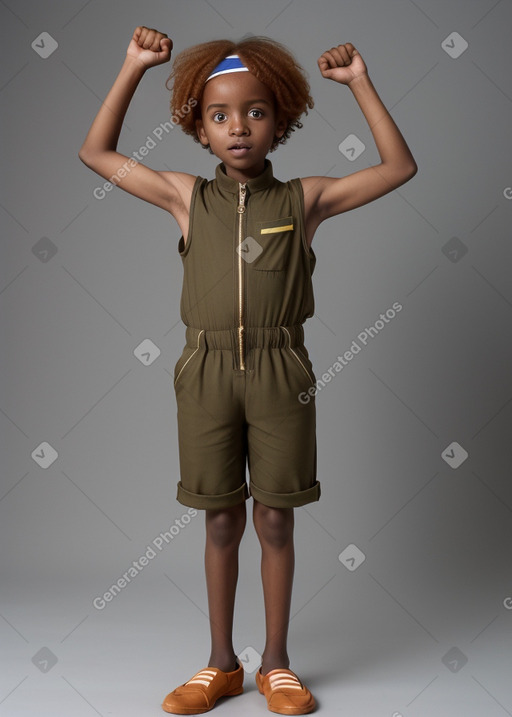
(201, 692)
(285, 693)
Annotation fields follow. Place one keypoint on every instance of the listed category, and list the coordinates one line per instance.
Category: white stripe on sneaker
(204, 677)
(284, 679)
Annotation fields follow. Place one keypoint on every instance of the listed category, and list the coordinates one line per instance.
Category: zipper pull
(242, 191)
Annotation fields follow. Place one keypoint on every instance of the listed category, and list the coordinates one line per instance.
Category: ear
(201, 133)
(281, 125)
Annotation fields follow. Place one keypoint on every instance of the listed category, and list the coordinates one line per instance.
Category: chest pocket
(275, 237)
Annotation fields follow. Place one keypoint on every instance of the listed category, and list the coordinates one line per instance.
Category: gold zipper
(242, 189)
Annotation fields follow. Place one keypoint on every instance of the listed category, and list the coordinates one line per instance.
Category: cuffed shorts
(230, 419)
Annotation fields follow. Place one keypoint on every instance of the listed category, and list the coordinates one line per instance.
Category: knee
(274, 526)
(225, 527)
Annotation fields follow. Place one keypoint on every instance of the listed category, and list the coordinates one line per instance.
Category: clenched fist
(150, 46)
(342, 64)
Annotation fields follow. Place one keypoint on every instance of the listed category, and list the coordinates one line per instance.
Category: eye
(219, 117)
(256, 114)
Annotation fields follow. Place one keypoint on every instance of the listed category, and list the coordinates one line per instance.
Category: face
(239, 123)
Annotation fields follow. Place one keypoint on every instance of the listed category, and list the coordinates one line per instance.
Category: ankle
(274, 662)
(227, 662)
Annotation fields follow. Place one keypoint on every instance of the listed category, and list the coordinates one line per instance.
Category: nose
(238, 126)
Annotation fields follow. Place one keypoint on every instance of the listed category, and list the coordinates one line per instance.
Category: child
(247, 290)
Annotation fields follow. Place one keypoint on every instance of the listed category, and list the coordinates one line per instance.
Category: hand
(342, 64)
(150, 46)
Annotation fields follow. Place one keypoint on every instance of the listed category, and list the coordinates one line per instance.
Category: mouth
(239, 148)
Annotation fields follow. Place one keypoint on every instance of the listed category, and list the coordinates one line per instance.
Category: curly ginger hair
(268, 60)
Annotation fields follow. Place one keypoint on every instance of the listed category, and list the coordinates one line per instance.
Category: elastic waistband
(255, 337)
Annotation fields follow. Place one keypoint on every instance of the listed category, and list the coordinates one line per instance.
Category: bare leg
(274, 527)
(224, 530)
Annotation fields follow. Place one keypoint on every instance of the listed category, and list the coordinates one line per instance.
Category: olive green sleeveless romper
(246, 293)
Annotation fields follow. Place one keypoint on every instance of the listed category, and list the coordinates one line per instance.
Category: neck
(242, 175)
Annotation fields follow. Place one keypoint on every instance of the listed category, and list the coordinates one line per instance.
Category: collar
(256, 184)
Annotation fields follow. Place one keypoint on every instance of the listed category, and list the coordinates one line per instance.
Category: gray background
(392, 636)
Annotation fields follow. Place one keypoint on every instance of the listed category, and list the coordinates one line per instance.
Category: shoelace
(203, 677)
(284, 679)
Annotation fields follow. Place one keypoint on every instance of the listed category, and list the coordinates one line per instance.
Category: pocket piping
(190, 357)
(298, 357)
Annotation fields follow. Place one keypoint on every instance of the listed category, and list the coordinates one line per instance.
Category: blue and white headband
(231, 63)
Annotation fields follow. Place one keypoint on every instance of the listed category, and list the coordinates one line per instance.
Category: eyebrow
(249, 102)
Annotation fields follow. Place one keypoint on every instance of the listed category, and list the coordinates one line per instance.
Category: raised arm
(327, 196)
(168, 190)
